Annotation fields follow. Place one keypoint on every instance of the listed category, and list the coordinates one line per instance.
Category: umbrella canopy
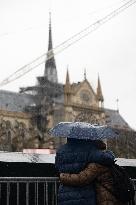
(82, 130)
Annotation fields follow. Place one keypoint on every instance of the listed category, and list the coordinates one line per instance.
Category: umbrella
(83, 130)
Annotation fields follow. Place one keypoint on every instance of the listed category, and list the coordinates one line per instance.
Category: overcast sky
(109, 51)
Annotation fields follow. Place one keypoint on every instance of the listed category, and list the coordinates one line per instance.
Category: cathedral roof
(13, 101)
(114, 119)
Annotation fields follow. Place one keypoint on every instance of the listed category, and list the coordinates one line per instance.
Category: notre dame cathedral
(26, 116)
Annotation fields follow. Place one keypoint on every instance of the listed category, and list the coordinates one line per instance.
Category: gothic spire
(50, 64)
(50, 34)
(99, 91)
(67, 78)
(67, 89)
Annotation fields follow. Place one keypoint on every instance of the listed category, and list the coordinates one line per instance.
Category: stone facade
(82, 103)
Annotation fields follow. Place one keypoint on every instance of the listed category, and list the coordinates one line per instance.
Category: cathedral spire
(99, 91)
(50, 65)
(67, 89)
(67, 78)
(50, 34)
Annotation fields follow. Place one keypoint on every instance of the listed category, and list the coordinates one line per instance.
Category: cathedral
(26, 116)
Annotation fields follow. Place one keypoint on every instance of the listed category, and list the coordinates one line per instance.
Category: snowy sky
(109, 51)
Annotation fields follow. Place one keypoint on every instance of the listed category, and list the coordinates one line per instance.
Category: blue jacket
(72, 158)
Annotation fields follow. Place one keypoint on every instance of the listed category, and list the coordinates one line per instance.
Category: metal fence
(29, 190)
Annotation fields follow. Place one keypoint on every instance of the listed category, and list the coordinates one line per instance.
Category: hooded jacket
(73, 157)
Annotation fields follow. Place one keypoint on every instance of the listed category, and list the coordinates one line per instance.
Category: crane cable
(70, 41)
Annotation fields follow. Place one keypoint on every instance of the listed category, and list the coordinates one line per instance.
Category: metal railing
(29, 190)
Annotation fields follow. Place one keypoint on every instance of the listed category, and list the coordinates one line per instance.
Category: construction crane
(64, 45)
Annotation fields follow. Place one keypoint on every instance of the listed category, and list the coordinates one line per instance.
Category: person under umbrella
(80, 150)
(98, 174)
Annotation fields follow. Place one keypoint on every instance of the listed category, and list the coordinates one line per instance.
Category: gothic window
(85, 96)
